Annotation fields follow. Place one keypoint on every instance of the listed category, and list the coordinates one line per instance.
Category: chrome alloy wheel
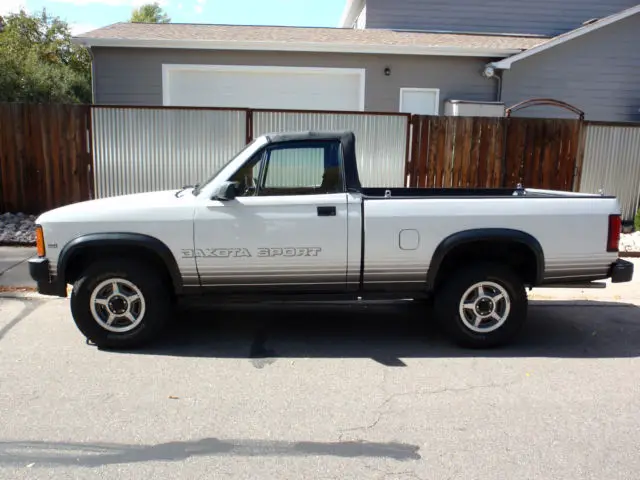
(484, 307)
(117, 305)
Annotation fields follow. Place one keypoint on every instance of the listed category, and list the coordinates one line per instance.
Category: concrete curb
(14, 289)
(18, 295)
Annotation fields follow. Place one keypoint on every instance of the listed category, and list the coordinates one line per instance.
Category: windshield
(242, 155)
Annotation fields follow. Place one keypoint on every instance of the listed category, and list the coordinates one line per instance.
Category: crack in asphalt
(389, 411)
(387, 473)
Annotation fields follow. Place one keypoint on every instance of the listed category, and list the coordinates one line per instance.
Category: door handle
(326, 211)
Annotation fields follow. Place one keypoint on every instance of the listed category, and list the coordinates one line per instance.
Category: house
(389, 55)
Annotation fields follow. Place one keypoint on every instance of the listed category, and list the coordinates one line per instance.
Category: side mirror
(226, 191)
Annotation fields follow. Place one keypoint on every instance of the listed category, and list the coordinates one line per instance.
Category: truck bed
(404, 227)
(372, 193)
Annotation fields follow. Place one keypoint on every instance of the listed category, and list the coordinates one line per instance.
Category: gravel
(630, 242)
(17, 229)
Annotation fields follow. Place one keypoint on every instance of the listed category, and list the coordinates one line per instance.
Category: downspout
(93, 76)
(489, 72)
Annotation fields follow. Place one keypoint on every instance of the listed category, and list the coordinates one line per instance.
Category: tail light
(40, 241)
(613, 237)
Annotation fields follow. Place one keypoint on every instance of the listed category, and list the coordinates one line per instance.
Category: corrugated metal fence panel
(612, 162)
(139, 150)
(381, 140)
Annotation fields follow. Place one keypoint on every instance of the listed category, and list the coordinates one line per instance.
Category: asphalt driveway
(324, 392)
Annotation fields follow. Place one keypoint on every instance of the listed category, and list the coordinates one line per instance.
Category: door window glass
(302, 170)
(292, 169)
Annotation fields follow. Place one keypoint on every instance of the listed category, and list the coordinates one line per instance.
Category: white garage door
(263, 87)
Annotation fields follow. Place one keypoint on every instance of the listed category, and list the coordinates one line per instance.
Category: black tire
(450, 295)
(158, 304)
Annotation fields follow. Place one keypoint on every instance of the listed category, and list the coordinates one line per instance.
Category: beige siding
(134, 76)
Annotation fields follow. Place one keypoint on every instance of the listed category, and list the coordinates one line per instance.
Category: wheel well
(518, 256)
(84, 256)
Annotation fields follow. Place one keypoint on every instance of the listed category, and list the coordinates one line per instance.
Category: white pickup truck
(287, 218)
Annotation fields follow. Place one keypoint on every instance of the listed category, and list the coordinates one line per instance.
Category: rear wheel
(482, 306)
(120, 303)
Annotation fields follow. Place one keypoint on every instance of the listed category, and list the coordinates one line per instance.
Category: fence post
(577, 167)
(2, 189)
(408, 150)
(249, 125)
(417, 124)
(505, 135)
(90, 168)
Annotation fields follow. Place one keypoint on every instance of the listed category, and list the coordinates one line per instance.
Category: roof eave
(506, 63)
(298, 47)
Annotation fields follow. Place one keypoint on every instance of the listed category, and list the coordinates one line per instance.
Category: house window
(420, 101)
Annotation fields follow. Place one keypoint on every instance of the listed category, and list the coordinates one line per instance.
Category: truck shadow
(388, 333)
(95, 455)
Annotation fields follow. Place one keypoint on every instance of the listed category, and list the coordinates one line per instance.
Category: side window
(294, 168)
(301, 169)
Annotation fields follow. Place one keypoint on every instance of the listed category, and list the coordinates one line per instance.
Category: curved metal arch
(533, 102)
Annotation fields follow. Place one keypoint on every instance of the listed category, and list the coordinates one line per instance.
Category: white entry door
(420, 101)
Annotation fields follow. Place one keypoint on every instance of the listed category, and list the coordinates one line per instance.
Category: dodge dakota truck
(287, 218)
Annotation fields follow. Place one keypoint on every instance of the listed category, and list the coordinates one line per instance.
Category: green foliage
(636, 221)
(149, 13)
(39, 64)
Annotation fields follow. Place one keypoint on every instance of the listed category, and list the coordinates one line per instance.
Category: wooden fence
(45, 156)
(495, 152)
(46, 159)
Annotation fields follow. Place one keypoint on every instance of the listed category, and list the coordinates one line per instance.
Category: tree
(149, 13)
(39, 63)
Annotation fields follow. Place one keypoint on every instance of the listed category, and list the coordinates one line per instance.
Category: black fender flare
(484, 234)
(117, 239)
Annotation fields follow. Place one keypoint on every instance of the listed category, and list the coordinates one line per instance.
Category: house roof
(343, 40)
(565, 37)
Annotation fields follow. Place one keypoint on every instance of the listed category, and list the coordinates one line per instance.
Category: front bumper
(47, 285)
(621, 271)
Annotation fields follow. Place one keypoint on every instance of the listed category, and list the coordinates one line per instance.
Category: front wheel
(120, 303)
(482, 306)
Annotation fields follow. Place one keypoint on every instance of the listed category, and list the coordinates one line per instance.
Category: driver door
(287, 228)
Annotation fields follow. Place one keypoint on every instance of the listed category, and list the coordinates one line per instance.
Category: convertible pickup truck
(288, 219)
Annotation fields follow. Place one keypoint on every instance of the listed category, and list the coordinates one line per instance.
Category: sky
(85, 15)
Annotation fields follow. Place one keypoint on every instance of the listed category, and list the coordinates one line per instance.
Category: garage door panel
(325, 89)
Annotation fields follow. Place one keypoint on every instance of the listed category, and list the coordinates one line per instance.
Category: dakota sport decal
(244, 252)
